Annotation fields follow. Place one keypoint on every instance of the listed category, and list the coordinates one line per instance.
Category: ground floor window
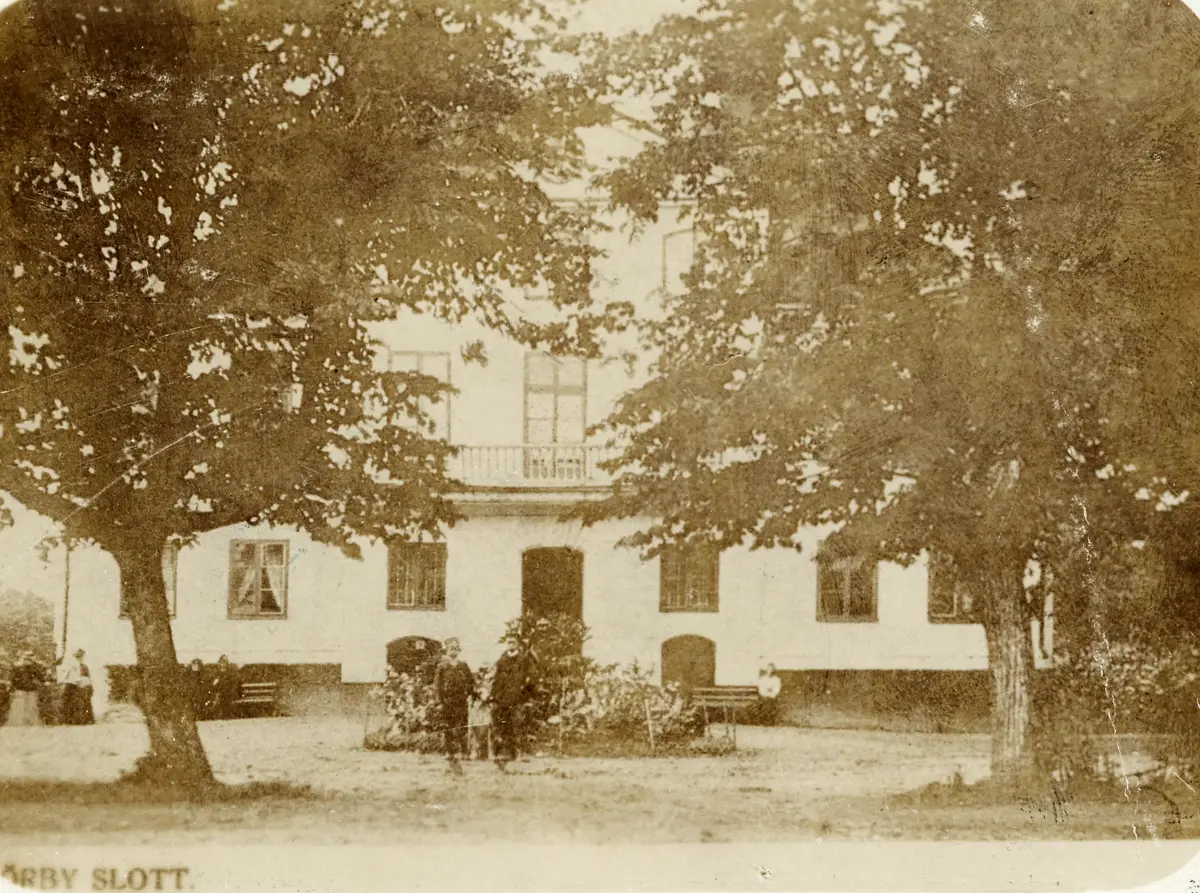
(689, 578)
(950, 601)
(258, 578)
(416, 576)
(846, 588)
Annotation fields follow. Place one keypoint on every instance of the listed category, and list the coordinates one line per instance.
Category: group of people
(38, 694)
(212, 689)
(496, 706)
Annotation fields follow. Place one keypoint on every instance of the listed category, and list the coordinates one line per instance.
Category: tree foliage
(228, 198)
(944, 290)
(207, 206)
(26, 624)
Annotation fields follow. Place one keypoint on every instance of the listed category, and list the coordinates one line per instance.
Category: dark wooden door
(690, 662)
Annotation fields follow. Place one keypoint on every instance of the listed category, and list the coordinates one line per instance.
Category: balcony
(529, 465)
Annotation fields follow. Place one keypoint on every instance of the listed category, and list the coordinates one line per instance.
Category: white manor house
(273, 600)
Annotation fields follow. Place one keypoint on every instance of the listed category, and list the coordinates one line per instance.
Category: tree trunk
(1010, 659)
(176, 755)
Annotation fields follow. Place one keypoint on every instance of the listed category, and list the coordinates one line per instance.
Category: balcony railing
(532, 465)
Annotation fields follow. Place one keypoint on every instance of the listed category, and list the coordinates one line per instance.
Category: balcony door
(552, 582)
(555, 417)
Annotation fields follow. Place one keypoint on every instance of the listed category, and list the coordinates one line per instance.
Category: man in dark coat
(507, 696)
(454, 684)
(194, 685)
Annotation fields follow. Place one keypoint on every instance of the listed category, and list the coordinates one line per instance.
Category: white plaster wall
(489, 406)
(337, 607)
(321, 584)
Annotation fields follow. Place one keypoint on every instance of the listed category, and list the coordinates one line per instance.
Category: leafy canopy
(207, 206)
(944, 290)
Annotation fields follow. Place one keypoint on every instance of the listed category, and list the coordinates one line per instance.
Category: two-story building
(274, 600)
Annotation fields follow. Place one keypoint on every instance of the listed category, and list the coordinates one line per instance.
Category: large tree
(944, 291)
(204, 208)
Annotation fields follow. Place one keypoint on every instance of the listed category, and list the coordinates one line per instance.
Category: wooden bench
(728, 699)
(257, 695)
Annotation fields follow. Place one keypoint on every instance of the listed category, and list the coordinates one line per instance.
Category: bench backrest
(725, 695)
(259, 688)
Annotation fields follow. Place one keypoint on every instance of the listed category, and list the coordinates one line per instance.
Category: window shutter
(670, 583)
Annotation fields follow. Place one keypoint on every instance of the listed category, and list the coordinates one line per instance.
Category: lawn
(783, 784)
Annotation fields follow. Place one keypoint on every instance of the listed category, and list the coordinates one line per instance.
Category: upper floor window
(950, 601)
(170, 566)
(846, 588)
(258, 578)
(555, 399)
(435, 364)
(416, 576)
(689, 578)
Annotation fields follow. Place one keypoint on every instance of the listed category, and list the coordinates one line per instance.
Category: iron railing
(536, 465)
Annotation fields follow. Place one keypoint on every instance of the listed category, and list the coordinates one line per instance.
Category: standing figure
(481, 717)
(27, 679)
(769, 687)
(224, 688)
(76, 691)
(507, 697)
(195, 689)
(454, 684)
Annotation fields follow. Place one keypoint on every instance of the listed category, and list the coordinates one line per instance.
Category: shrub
(622, 702)
(551, 650)
(1146, 685)
(572, 704)
(413, 715)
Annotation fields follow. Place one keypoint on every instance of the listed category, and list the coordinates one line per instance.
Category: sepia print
(661, 428)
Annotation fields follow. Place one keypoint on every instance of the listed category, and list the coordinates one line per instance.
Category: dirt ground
(782, 784)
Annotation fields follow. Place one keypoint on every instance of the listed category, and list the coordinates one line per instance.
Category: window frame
(822, 616)
(171, 584)
(682, 557)
(938, 568)
(556, 391)
(260, 545)
(426, 403)
(394, 547)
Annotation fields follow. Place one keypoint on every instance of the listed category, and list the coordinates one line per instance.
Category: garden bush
(1146, 686)
(574, 701)
(573, 705)
(412, 716)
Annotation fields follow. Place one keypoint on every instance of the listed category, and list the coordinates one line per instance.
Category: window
(949, 599)
(555, 416)
(435, 365)
(258, 578)
(416, 576)
(555, 399)
(845, 588)
(689, 579)
(170, 565)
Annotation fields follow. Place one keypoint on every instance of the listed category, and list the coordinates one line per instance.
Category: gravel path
(782, 783)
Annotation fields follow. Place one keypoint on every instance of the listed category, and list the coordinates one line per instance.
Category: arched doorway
(689, 661)
(552, 582)
(416, 656)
